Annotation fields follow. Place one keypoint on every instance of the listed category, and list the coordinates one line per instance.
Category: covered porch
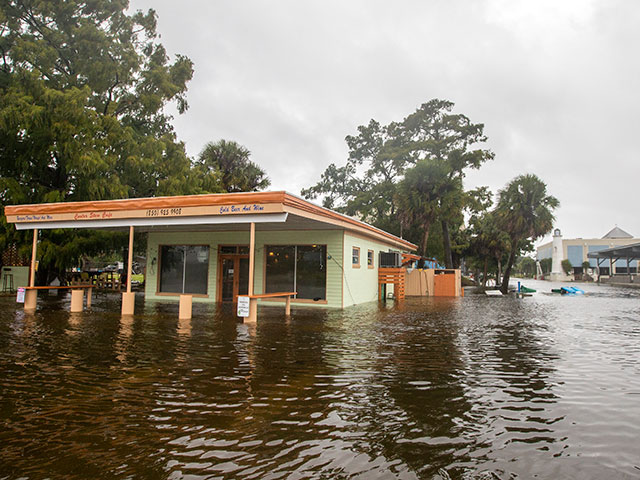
(628, 255)
(220, 246)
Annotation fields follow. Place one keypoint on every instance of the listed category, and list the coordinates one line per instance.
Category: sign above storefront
(214, 210)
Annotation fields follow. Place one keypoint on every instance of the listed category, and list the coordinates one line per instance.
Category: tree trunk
(446, 240)
(425, 239)
(484, 275)
(507, 272)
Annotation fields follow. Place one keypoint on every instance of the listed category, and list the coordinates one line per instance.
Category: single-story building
(218, 246)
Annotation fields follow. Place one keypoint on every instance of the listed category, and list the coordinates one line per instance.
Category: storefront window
(184, 269)
(280, 269)
(297, 268)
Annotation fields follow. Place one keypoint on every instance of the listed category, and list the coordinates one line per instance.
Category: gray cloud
(555, 84)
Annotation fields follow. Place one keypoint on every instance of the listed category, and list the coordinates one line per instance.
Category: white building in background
(576, 249)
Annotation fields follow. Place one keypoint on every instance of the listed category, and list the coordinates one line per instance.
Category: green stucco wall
(20, 276)
(331, 238)
(361, 284)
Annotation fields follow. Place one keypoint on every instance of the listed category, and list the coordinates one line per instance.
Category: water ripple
(472, 388)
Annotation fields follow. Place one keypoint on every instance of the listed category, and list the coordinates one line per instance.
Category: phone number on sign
(163, 212)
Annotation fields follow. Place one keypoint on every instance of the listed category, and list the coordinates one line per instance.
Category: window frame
(296, 299)
(353, 250)
(371, 259)
(159, 269)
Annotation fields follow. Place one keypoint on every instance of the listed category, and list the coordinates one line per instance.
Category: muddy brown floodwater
(473, 388)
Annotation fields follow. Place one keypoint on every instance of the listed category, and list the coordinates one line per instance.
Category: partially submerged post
(31, 295)
(128, 297)
(253, 302)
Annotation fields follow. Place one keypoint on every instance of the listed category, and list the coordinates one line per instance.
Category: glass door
(228, 279)
(234, 276)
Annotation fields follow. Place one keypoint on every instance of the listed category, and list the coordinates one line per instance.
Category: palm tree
(524, 212)
(421, 195)
(225, 166)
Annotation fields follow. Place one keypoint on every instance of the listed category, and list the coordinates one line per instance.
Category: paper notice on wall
(243, 306)
(20, 297)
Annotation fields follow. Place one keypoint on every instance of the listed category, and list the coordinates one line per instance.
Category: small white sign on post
(243, 306)
(20, 297)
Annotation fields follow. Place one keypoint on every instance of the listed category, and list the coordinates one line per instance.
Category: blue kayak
(571, 291)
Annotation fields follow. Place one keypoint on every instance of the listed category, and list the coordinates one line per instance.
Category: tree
(365, 186)
(421, 193)
(525, 213)
(567, 268)
(488, 242)
(368, 185)
(83, 86)
(224, 166)
(434, 132)
(545, 265)
(525, 266)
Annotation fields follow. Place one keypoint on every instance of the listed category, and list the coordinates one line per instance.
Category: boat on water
(568, 291)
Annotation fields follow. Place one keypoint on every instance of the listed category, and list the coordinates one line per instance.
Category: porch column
(128, 297)
(253, 303)
(31, 296)
(610, 268)
(252, 251)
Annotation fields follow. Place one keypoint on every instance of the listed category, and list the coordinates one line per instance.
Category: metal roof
(218, 211)
(627, 251)
(617, 232)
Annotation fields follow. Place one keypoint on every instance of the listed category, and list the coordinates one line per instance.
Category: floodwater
(436, 388)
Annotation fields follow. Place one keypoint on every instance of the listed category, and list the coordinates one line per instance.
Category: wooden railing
(395, 276)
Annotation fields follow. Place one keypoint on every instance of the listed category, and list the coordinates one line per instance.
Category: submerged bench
(253, 303)
(77, 295)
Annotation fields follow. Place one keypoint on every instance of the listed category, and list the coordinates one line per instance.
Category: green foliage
(586, 265)
(525, 213)
(386, 160)
(525, 266)
(487, 243)
(224, 166)
(567, 268)
(420, 193)
(545, 265)
(83, 86)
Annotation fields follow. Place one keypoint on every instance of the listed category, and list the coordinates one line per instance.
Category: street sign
(243, 306)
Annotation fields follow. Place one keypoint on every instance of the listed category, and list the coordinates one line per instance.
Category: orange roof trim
(283, 198)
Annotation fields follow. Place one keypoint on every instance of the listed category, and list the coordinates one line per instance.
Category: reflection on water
(477, 387)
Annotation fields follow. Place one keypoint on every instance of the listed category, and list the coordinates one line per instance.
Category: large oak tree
(83, 91)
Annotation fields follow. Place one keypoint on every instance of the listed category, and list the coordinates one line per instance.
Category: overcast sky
(554, 82)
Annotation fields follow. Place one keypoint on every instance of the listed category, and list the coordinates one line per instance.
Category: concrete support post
(128, 303)
(77, 299)
(185, 308)
(253, 310)
(253, 302)
(30, 300)
(31, 296)
(89, 297)
(128, 297)
(287, 308)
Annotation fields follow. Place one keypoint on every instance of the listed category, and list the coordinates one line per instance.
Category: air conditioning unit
(390, 260)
